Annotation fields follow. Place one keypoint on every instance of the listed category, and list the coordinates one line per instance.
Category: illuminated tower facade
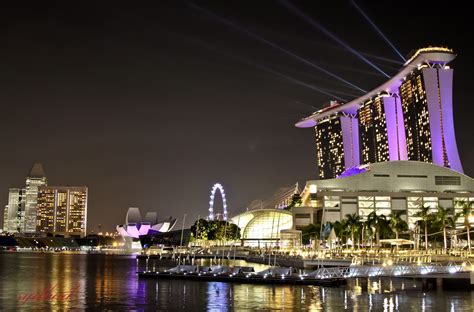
(373, 132)
(35, 179)
(14, 216)
(416, 120)
(409, 117)
(336, 141)
(382, 134)
(45, 214)
(426, 96)
(62, 210)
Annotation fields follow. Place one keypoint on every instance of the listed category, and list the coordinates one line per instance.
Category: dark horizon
(151, 106)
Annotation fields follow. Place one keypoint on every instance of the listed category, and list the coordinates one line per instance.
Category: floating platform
(270, 276)
(190, 256)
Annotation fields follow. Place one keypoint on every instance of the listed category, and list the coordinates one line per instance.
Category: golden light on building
(330, 147)
(62, 210)
(374, 145)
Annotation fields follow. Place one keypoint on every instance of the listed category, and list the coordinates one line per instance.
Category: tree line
(214, 230)
(433, 224)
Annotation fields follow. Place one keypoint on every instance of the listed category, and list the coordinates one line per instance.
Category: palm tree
(352, 221)
(311, 231)
(340, 228)
(367, 232)
(397, 224)
(442, 219)
(377, 222)
(466, 213)
(451, 223)
(295, 201)
(425, 215)
(359, 232)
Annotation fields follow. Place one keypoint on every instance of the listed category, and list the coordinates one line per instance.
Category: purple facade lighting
(418, 115)
(350, 138)
(435, 115)
(353, 171)
(144, 228)
(392, 129)
(440, 55)
(446, 90)
(395, 128)
(402, 147)
(134, 227)
(133, 231)
(438, 84)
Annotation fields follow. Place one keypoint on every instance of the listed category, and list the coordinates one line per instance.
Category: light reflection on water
(110, 283)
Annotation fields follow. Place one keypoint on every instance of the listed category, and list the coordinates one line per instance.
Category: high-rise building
(62, 210)
(45, 217)
(39, 208)
(382, 134)
(373, 132)
(5, 217)
(20, 212)
(409, 117)
(14, 215)
(336, 141)
(409, 158)
(35, 179)
(426, 96)
(330, 147)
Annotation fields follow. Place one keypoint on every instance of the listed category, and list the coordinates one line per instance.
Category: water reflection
(110, 283)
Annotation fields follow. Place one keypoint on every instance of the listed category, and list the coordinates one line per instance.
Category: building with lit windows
(409, 117)
(336, 135)
(62, 210)
(406, 150)
(35, 179)
(373, 132)
(382, 188)
(20, 212)
(14, 215)
(37, 208)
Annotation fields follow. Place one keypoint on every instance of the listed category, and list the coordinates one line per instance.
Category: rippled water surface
(56, 281)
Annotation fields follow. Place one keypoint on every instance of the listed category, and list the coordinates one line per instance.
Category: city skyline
(39, 208)
(150, 108)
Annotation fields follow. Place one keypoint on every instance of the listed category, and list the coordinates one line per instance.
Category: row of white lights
(211, 201)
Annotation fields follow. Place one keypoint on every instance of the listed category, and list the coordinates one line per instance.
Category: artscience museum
(135, 226)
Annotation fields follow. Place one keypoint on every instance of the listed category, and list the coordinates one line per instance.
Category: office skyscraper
(20, 212)
(14, 216)
(62, 210)
(35, 179)
(39, 208)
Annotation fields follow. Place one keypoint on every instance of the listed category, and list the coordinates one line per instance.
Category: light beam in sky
(315, 24)
(274, 45)
(377, 29)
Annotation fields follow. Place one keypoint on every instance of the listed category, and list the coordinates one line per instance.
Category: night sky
(150, 105)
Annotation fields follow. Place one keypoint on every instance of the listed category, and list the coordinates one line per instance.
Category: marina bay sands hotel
(409, 117)
(392, 149)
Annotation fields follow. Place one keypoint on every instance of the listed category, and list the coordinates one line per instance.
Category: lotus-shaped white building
(134, 226)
